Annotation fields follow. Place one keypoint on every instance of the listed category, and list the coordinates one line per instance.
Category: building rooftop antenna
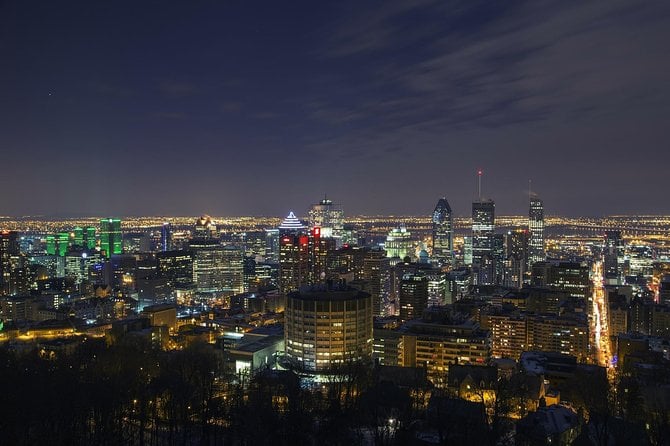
(479, 184)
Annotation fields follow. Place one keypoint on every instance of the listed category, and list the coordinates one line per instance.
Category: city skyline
(135, 109)
(343, 223)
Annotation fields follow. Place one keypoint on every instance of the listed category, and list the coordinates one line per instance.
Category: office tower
(329, 217)
(251, 280)
(328, 327)
(176, 267)
(9, 254)
(443, 243)
(207, 264)
(111, 238)
(613, 257)
(498, 254)
(458, 283)
(436, 277)
(77, 237)
(233, 270)
(294, 254)
(377, 272)
(254, 244)
(272, 245)
(516, 258)
(207, 257)
(483, 225)
(322, 252)
(399, 243)
(166, 237)
(205, 228)
(467, 250)
(120, 271)
(136, 242)
(571, 277)
(89, 237)
(58, 244)
(78, 262)
(536, 251)
(413, 296)
(293, 261)
(83, 237)
(51, 245)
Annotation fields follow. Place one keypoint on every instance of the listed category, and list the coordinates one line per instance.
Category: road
(599, 325)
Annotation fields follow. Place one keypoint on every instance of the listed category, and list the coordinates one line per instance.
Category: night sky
(255, 108)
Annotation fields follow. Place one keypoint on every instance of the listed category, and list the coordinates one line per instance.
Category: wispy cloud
(169, 115)
(177, 89)
(533, 61)
(108, 89)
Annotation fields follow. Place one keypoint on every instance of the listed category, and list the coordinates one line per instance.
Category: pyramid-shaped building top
(291, 223)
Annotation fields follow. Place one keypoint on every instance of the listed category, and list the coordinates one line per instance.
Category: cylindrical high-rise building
(327, 327)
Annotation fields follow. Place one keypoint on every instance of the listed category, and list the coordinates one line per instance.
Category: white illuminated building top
(291, 222)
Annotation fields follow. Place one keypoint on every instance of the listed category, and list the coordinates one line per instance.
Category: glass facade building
(111, 238)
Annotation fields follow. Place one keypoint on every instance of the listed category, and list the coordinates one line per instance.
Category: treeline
(132, 394)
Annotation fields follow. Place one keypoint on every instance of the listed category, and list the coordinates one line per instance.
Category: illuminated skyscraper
(443, 243)
(536, 251)
(9, 253)
(272, 245)
(326, 327)
(613, 257)
(58, 244)
(78, 236)
(208, 257)
(83, 237)
(166, 237)
(516, 258)
(89, 237)
(111, 238)
(322, 251)
(176, 267)
(399, 243)
(233, 270)
(294, 254)
(78, 262)
(413, 296)
(483, 225)
(205, 228)
(571, 277)
(208, 264)
(291, 224)
(377, 271)
(329, 217)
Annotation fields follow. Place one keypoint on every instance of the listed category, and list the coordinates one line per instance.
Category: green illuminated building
(62, 243)
(51, 245)
(89, 237)
(78, 236)
(84, 237)
(111, 239)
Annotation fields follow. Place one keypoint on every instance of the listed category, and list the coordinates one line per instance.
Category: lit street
(602, 354)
